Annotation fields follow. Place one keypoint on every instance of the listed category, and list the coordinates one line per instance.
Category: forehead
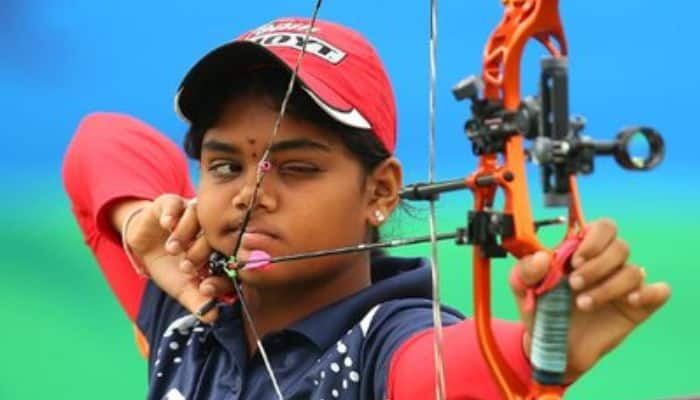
(253, 119)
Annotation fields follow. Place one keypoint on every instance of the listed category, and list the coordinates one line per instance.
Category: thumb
(528, 272)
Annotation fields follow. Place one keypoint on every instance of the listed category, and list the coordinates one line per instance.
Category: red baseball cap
(340, 71)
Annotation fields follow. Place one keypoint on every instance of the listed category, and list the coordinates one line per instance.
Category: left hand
(610, 297)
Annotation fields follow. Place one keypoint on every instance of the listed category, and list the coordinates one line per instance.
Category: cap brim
(234, 60)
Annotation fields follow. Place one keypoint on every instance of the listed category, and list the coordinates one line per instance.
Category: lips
(257, 240)
(255, 237)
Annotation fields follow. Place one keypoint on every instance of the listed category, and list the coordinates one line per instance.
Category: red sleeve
(466, 374)
(111, 157)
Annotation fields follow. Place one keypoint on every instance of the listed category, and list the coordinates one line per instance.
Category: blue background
(631, 62)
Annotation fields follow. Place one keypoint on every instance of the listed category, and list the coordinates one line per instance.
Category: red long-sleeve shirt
(113, 157)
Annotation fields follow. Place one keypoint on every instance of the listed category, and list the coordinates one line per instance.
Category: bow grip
(550, 332)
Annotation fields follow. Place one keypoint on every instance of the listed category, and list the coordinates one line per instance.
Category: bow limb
(522, 20)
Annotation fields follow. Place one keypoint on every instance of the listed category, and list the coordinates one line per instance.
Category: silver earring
(379, 216)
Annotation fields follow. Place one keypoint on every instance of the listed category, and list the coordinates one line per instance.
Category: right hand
(165, 240)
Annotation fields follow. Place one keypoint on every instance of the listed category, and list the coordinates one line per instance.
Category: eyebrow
(221, 147)
(292, 144)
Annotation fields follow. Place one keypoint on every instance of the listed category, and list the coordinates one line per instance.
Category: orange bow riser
(501, 123)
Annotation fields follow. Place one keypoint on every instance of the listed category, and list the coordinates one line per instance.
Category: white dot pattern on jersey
(340, 362)
(182, 330)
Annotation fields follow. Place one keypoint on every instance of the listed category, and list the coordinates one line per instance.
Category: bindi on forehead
(251, 142)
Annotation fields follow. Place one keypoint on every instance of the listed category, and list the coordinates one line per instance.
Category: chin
(263, 279)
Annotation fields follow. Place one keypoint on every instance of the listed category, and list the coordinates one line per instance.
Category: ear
(383, 186)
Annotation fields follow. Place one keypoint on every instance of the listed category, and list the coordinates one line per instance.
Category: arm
(466, 373)
(113, 165)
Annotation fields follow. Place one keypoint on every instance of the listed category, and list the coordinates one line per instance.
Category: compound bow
(501, 123)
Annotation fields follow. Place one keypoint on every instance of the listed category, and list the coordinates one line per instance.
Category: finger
(597, 237)
(597, 268)
(621, 283)
(530, 270)
(197, 256)
(185, 231)
(168, 209)
(217, 286)
(650, 297)
(535, 268)
(193, 300)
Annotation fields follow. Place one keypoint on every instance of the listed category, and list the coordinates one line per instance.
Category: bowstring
(260, 175)
(440, 392)
(440, 389)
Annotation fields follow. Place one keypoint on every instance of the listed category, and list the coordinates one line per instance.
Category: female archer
(320, 328)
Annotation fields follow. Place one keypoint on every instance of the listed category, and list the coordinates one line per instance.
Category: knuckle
(589, 273)
(630, 279)
(608, 224)
(171, 201)
(623, 247)
(600, 295)
(165, 198)
(154, 209)
(191, 203)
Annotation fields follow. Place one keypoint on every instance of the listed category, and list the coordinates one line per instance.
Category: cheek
(212, 206)
(330, 215)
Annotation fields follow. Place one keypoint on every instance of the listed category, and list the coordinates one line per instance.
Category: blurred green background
(64, 336)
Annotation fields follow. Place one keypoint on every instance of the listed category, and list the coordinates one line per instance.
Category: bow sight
(558, 148)
(558, 145)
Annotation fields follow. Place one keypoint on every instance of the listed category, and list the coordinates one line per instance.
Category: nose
(254, 194)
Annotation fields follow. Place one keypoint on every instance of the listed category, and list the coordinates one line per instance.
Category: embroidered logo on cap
(292, 34)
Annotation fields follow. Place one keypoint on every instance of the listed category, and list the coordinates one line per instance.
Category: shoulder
(392, 323)
(388, 326)
(409, 315)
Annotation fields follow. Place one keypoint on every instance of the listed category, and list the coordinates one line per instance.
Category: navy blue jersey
(342, 351)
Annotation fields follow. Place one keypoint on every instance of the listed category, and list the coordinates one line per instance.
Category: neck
(275, 308)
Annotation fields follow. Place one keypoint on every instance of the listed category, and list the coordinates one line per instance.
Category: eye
(226, 169)
(297, 167)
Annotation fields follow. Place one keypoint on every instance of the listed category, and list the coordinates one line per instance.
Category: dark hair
(270, 84)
